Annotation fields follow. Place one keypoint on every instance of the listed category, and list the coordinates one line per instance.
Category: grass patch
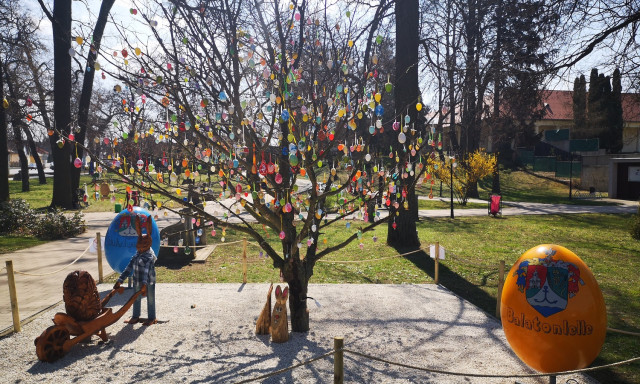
(527, 187)
(39, 195)
(12, 243)
(609, 251)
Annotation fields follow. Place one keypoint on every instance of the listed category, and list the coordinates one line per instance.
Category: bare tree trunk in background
(42, 179)
(4, 150)
(61, 24)
(16, 123)
(406, 97)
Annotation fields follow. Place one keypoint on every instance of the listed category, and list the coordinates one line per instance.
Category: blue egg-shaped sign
(121, 239)
(379, 110)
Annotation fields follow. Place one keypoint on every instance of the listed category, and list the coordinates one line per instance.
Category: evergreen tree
(579, 105)
(615, 121)
(594, 100)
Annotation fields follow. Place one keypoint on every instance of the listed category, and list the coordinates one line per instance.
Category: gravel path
(423, 325)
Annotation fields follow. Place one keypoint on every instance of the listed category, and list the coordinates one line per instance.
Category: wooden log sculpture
(81, 300)
(80, 295)
(264, 320)
(279, 322)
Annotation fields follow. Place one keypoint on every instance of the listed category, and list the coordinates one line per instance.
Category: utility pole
(570, 175)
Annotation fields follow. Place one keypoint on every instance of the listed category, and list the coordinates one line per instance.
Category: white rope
(56, 271)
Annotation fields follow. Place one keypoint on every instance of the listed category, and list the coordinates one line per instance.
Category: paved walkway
(36, 293)
(511, 208)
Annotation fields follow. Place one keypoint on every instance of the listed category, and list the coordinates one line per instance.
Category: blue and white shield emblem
(548, 284)
(546, 289)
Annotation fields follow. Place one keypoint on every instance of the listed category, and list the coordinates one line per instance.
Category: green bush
(56, 225)
(16, 216)
(635, 225)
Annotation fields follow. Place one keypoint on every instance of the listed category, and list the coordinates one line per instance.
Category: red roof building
(558, 106)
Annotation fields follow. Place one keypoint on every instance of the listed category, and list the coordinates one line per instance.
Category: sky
(120, 13)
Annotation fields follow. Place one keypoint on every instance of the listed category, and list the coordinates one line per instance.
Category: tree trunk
(469, 89)
(34, 152)
(4, 150)
(16, 122)
(298, 285)
(87, 86)
(407, 93)
(405, 233)
(24, 162)
(62, 189)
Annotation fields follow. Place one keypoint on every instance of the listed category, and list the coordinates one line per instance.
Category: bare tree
(232, 86)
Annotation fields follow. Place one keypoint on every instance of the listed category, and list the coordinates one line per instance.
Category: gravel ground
(421, 325)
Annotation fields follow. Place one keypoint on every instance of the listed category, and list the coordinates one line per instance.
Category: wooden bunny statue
(264, 320)
(279, 322)
(144, 241)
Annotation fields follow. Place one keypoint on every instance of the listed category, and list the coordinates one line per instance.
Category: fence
(339, 350)
(561, 169)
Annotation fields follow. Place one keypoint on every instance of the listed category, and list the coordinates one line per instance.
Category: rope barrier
(623, 332)
(203, 245)
(368, 260)
(56, 271)
(283, 370)
(443, 372)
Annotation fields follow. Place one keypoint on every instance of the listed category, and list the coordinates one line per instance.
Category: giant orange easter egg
(552, 310)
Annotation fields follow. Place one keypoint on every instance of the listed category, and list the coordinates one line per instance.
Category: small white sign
(93, 244)
(432, 252)
(634, 174)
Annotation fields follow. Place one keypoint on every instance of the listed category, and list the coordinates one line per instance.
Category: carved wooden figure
(279, 322)
(264, 320)
(86, 315)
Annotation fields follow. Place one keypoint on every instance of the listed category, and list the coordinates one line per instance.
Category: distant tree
(4, 149)
(579, 104)
(615, 121)
(594, 108)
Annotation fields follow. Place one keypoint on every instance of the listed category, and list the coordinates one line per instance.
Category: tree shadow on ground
(170, 261)
(451, 280)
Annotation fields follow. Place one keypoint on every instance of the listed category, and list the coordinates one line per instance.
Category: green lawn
(602, 241)
(517, 185)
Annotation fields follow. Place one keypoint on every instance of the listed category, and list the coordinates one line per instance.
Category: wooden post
(338, 360)
(436, 273)
(244, 260)
(500, 284)
(13, 294)
(99, 248)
